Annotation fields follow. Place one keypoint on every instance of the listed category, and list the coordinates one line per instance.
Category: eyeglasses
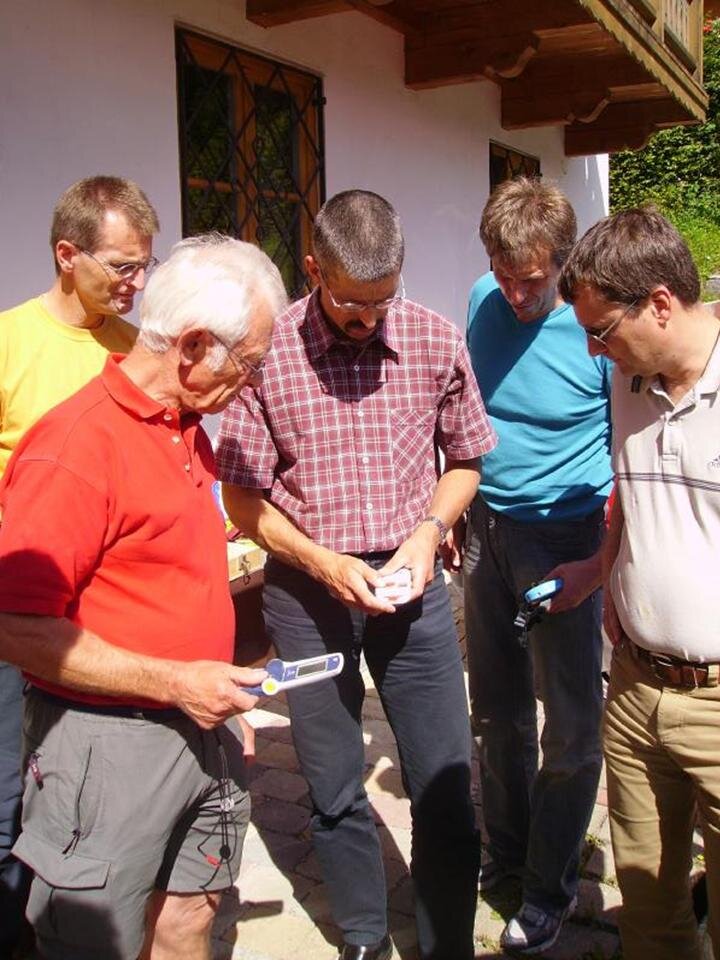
(357, 306)
(123, 271)
(600, 334)
(243, 367)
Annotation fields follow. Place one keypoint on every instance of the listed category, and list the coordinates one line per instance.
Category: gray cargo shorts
(116, 807)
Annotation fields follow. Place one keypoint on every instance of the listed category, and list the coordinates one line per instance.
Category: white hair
(212, 283)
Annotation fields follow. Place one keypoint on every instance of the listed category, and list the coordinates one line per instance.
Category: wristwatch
(441, 527)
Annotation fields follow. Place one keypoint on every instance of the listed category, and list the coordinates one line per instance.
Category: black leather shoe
(375, 951)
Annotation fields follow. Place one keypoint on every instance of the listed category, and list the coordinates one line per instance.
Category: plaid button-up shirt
(344, 435)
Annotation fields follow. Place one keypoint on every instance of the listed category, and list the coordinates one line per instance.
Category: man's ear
(312, 269)
(65, 253)
(660, 301)
(193, 345)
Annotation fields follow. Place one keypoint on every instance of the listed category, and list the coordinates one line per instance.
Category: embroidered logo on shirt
(715, 463)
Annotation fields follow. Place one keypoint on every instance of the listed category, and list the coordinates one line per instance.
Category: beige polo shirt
(666, 579)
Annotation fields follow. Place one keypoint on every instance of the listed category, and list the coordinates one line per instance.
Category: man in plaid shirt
(331, 465)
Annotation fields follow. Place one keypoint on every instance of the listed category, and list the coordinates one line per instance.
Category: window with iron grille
(251, 150)
(506, 164)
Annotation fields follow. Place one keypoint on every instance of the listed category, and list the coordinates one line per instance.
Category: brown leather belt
(686, 674)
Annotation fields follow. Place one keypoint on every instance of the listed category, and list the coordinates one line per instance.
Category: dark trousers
(14, 876)
(415, 663)
(536, 814)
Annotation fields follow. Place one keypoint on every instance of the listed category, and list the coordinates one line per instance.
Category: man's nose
(138, 281)
(369, 316)
(595, 349)
(517, 293)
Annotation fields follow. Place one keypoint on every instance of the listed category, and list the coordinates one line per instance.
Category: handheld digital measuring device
(535, 602)
(285, 674)
(543, 591)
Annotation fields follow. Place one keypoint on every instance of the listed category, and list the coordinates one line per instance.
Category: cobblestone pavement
(278, 911)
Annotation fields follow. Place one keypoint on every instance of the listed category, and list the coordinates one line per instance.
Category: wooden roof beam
(562, 90)
(473, 59)
(624, 126)
(484, 41)
(273, 13)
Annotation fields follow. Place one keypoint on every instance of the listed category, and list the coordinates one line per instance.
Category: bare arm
(347, 578)
(56, 650)
(453, 493)
(611, 548)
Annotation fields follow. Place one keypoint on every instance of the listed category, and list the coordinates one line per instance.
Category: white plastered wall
(88, 86)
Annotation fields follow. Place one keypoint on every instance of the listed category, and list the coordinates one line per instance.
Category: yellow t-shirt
(44, 361)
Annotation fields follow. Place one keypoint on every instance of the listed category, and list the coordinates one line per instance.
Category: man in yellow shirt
(50, 346)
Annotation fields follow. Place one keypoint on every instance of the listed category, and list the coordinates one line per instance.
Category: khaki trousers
(662, 748)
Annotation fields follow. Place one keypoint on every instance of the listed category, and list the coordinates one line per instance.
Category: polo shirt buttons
(167, 417)
(176, 438)
(187, 467)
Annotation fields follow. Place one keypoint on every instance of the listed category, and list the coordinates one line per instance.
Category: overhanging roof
(611, 72)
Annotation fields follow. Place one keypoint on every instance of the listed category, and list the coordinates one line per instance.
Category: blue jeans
(535, 818)
(414, 660)
(14, 876)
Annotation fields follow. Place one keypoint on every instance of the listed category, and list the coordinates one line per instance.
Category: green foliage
(679, 171)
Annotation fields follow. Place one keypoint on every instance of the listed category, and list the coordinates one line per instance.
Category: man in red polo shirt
(114, 601)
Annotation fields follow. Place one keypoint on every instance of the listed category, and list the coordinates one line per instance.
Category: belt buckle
(696, 673)
(661, 666)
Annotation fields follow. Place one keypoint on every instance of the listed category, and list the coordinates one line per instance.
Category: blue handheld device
(543, 591)
(284, 674)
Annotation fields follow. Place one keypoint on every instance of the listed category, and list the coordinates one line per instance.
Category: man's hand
(349, 579)
(453, 547)
(209, 691)
(581, 578)
(611, 621)
(417, 553)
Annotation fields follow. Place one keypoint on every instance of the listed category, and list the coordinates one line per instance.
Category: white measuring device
(286, 674)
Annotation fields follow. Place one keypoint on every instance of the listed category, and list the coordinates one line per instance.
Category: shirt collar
(707, 385)
(320, 337)
(709, 382)
(129, 396)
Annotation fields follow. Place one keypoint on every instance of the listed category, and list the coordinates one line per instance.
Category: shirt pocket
(413, 433)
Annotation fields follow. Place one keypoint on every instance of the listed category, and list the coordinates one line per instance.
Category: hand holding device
(536, 601)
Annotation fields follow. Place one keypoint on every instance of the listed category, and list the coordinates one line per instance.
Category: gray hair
(358, 233)
(210, 282)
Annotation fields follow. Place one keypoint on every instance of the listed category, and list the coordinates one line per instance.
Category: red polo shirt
(108, 519)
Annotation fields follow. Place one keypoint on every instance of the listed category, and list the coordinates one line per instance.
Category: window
(506, 164)
(251, 150)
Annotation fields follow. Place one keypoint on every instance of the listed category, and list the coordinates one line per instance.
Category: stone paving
(278, 911)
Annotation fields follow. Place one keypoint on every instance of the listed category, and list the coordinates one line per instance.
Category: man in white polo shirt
(636, 292)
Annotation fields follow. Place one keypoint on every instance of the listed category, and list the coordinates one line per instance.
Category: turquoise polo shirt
(548, 400)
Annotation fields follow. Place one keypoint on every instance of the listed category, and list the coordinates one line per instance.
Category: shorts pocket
(66, 887)
(72, 871)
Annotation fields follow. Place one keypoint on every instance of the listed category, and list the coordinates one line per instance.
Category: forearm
(56, 650)
(268, 527)
(611, 545)
(455, 490)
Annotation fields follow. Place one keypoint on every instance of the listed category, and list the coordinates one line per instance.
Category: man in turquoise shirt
(538, 513)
